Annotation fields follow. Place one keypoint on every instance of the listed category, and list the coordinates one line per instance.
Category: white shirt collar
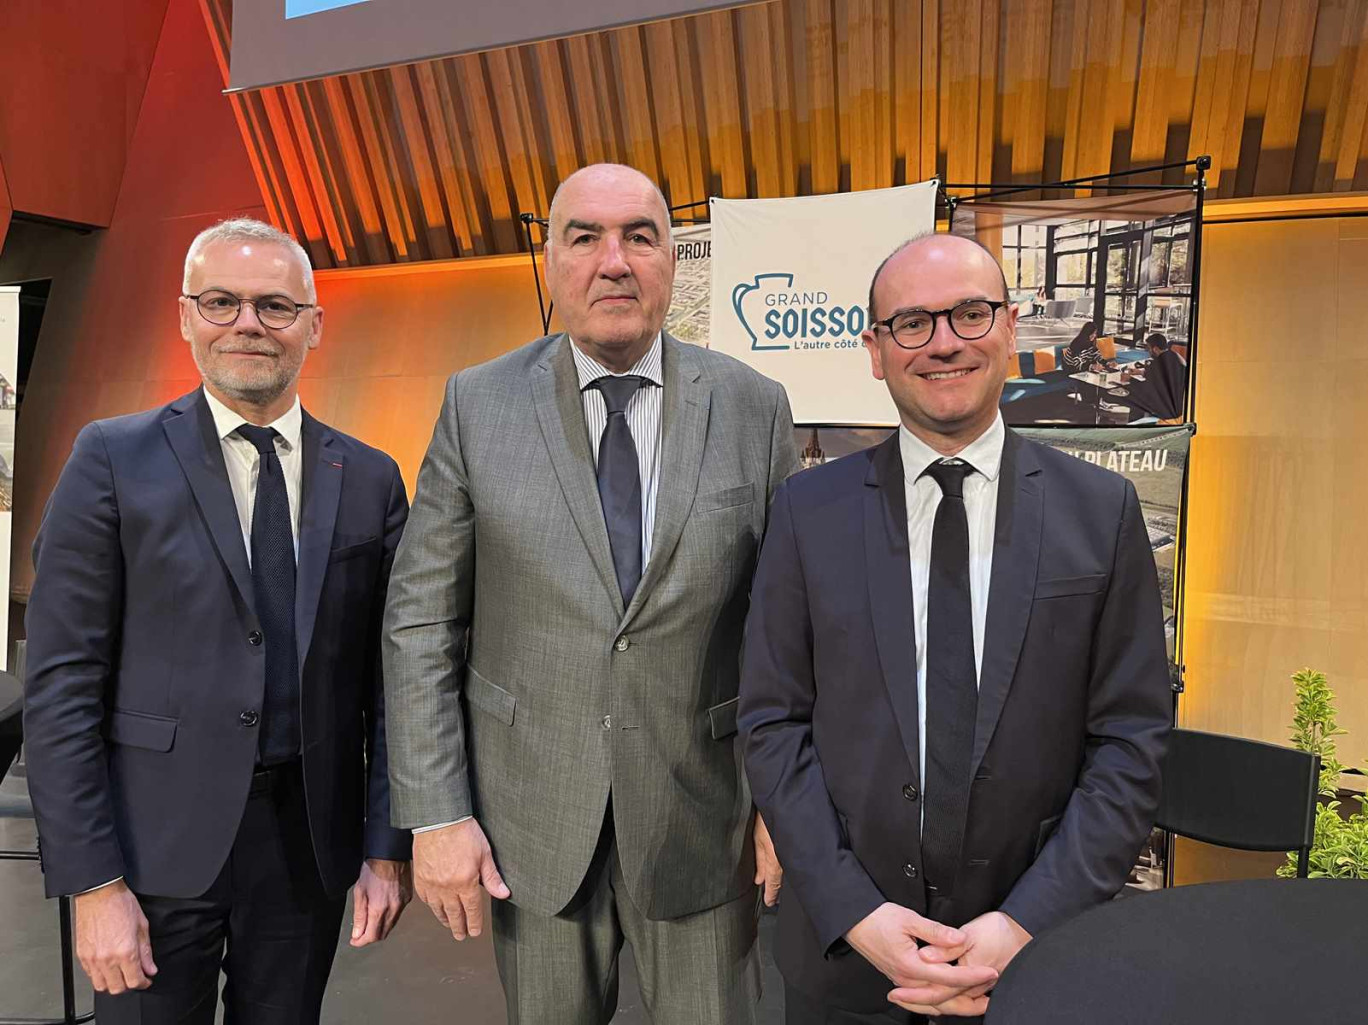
(984, 453)
(590, 369)
(288, 425)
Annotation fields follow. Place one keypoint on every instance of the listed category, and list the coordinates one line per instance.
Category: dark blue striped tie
(273, 582)
(619, 482)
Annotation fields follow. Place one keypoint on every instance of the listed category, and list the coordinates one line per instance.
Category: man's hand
(450, 865)
(379, 898)
(768, 872)
(112, 940)
(887, 938)
(991, 940)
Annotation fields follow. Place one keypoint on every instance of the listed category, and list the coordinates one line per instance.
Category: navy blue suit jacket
(1073, 711)
(144, 654)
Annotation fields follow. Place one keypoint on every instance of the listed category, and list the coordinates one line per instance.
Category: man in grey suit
(563, 632)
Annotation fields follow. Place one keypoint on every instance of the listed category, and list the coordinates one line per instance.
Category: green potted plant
(1340, 847)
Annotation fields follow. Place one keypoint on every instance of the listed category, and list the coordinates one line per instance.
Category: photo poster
(690, 310)
(1093, 279)
(1154, 459)
(9, 376)
(791, 280)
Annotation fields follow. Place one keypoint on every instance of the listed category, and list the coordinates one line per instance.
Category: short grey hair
(555, 196)
(247, 229)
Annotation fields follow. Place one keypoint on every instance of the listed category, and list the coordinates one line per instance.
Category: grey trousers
(702, 969)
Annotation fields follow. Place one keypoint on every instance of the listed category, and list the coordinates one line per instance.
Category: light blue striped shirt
(643, 419)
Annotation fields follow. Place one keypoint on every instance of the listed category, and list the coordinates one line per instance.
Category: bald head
(605, 178)
(941, 251)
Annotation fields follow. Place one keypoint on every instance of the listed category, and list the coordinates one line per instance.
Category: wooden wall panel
(1277, 569)
(796, 97)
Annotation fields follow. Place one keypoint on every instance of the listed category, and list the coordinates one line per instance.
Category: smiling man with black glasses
(204, 713)
(954, 690)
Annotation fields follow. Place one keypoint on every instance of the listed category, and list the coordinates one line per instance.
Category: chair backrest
(1059, 308)
(1239, 793)
(1044, 361)
(1106, 346)
(1014, 366)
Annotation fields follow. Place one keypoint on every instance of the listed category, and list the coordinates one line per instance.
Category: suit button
(910, 870)
(607, 722)
(254, 638)
(621, 644)
(910, 792)
(249, 718)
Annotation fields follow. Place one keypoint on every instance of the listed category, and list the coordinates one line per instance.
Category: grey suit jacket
(518, 689)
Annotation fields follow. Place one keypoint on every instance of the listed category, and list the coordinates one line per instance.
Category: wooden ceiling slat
(320, 182)
(1286, 96)
(1335, 106)
(990, 22)
(393, 185)
(722, 101)
(757, 76)
(1149, 135)
(364, 203)
(821, 89)
(794, 97)
(444, 143)
(1030, 25)
(1353, 138)
(930, 91)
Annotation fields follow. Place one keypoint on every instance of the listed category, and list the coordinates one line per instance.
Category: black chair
(1240, 793)
(11, 737)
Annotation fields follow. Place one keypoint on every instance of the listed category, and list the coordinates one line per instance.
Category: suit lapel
(889, 573)
(320, 491)
(560, 412)
(1016, 558)
(684, 432)
(196, 444)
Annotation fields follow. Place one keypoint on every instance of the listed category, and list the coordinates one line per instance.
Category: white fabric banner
(790, 279)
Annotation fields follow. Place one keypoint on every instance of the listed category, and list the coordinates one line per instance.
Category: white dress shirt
(243, 462)
(984, 454)
(643, 420)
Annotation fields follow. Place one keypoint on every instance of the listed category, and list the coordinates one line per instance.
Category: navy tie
(951, 683)
(273, 582)
(619, 482)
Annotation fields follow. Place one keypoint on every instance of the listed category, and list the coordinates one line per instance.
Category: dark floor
(419, 976)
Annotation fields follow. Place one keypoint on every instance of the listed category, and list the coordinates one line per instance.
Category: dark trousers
(801, 1009)
(266, 922)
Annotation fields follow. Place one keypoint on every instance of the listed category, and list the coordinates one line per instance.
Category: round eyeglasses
(972, 319)
(223, 308)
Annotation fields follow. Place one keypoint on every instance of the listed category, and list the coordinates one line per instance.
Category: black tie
(619, 482)
(951, 682)
(273, 581)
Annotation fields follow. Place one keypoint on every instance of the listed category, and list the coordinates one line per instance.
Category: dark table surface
(1255, 952)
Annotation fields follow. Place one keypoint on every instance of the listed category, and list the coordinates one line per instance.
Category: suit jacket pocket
(139, 729)
(1062, 587)
(727, 498)
(352, 551)
(489, 697)
(723, 719)
(1044, 833)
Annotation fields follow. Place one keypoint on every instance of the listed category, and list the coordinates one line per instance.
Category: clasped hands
(935, 969)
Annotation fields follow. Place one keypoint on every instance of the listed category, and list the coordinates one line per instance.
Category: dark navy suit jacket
(145, 659)
(1073, 712)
